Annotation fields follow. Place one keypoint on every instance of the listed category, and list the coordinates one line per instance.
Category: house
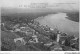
(19, 41)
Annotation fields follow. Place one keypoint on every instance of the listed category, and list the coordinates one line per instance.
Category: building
(19, 41)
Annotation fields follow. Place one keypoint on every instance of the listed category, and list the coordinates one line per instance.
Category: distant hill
(74, 16)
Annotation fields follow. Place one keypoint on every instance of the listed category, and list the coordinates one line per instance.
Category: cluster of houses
(34, 31)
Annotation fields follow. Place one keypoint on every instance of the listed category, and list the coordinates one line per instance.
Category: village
(35, 37)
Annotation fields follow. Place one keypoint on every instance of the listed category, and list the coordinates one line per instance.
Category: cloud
(16, 3)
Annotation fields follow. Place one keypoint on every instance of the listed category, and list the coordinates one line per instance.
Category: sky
(17, 3)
